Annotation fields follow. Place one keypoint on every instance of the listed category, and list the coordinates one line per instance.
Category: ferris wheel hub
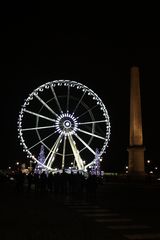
(66, 124)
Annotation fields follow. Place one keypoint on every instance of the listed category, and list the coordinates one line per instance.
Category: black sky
(33, 52)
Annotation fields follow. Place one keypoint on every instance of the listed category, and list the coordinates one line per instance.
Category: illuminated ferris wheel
(69, 120)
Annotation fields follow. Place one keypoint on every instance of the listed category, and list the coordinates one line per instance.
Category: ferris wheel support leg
(76, 153)
(52, 157)
(64, 150)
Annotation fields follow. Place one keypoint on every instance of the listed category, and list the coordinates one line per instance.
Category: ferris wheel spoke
(89, 110)
(91, 134)
(100, 121)
(85, 144)
(76, 153)
(64, 151)
(79, 102)
(38, 128)
(39, 115)
(42, 140)
(53, 151)
(46, 105)
(55, 96)
(46, 146)
(50, 151)
(68, 95)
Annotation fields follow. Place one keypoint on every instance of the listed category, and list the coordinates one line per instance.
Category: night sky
(33, 53)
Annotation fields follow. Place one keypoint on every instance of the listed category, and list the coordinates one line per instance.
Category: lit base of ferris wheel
(92, 168)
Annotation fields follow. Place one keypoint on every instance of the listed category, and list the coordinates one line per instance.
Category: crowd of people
(57, 183)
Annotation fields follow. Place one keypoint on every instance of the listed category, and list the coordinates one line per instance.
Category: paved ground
(119, 211)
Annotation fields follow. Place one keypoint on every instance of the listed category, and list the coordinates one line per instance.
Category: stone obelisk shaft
(136, 148)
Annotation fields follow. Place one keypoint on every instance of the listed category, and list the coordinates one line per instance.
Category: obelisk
(136, 148)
